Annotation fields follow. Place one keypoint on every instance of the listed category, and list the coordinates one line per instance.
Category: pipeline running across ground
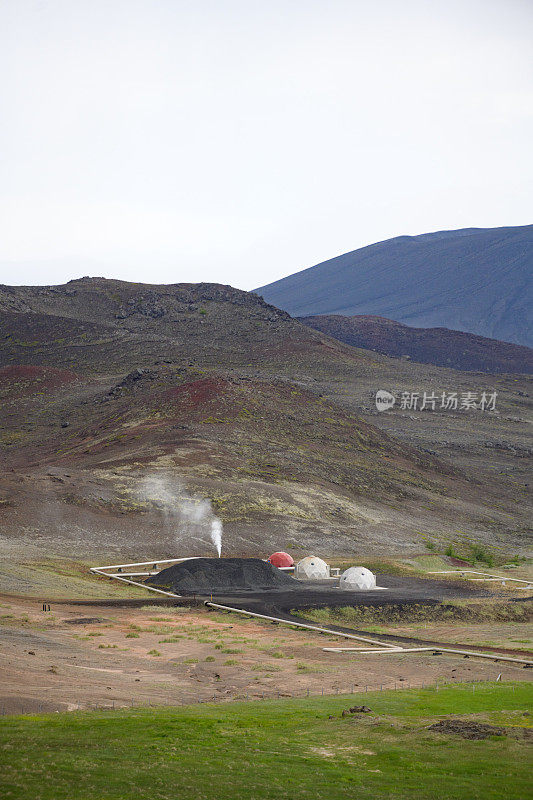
(382, 647)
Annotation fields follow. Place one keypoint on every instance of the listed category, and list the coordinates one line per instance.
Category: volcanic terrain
(475, 279)
(439, 346)
(209, 392)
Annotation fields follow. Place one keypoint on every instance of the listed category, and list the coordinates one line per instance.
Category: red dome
(281, 560)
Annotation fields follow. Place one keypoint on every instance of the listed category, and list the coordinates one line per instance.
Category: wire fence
(348, 691)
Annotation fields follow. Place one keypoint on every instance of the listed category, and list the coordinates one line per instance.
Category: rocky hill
(476, 280)
(128, 408)
(100, 325)
(439, 346)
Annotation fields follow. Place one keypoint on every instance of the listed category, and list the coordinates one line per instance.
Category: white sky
(238, 141)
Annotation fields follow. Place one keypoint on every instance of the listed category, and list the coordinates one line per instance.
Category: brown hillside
(439, 346)
(208, 390)
(98, 325)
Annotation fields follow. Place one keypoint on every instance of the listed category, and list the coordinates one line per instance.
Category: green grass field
(276, 749)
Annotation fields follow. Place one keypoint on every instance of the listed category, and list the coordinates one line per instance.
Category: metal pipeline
(384, 647)
(435, 649)
(97, 571)
(300, 625)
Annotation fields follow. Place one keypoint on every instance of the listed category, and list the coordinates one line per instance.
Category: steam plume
(191, 517)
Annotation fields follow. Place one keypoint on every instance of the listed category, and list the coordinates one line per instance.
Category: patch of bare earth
(71, 657)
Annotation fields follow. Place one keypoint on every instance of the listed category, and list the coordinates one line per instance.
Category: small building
(281, 560)
(357, 579)
(312, 568)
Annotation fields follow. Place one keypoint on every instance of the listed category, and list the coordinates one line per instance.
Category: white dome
(313, 568)
(356, 578)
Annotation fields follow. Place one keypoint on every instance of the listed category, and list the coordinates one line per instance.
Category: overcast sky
(239, 141)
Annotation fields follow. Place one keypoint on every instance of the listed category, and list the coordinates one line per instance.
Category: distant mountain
(439, 346)
(476, 280)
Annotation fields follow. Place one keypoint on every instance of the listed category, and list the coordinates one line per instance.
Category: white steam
(216, 534)
(192, 518)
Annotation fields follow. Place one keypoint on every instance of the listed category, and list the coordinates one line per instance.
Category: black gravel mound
(467, 729)
(222, 575)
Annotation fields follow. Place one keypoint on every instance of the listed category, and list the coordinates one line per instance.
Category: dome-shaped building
(281, 559)
(312, 568)
(357, 579)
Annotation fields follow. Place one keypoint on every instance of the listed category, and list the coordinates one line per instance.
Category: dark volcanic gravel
(258, 586)
(466, 729)
(222, 575)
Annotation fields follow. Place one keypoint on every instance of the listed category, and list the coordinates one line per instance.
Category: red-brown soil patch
(23, 379)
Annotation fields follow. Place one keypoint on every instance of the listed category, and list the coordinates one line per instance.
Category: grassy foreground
(276, 749)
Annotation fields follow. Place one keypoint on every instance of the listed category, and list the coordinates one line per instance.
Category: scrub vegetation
(411, 613)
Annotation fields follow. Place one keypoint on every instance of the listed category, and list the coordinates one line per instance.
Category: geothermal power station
(201, 575)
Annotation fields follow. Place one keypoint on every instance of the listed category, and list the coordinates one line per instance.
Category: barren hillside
(439, 346)
(205, 392)
(475, 279)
